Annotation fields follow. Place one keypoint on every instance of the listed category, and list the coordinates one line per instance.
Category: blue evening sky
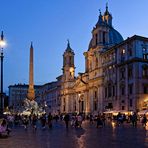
(49, 23)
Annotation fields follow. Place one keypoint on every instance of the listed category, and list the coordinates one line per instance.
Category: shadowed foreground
(87, 137)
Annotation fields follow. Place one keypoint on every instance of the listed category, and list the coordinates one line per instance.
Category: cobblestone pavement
(87, 137)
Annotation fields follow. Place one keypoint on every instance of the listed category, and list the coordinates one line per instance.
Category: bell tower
(107, 17)
(68, 63)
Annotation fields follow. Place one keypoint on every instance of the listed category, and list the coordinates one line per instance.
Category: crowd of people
(73, 120)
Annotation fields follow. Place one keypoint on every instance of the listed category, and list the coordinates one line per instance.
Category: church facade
(116, 73)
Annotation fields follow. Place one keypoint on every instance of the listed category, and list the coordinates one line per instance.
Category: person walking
(80, 119)
(66, 119)
(134, 119)
(34, 122)
(103, 119)
(50, 120)
(25, 122)
(99, 121)
(91, 120)
(43, 121)
(144, 120)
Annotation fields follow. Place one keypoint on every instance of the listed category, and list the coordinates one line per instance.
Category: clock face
(71, 69)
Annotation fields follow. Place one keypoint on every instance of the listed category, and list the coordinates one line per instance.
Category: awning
(109, 112)
(142, 112)
(115, 112)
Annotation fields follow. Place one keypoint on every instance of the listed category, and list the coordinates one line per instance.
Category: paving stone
(86, 137)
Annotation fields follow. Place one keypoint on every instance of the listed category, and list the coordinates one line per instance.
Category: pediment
(79, 83)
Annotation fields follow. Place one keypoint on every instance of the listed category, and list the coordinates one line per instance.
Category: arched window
(95, 101)
(96, 39)
(109, 90)
(122, 89)
(130, 71)
(90, 65)
(105, 92)
(75, 106)
(123, 55)
(122, 73)
(96, 62)
(129, 48)
(104, 37)
(64, 104)
(145, 70)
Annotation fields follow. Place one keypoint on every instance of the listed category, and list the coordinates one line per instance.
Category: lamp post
(2, 44)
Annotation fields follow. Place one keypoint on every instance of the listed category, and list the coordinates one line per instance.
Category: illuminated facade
(49, 97)
(116, 72)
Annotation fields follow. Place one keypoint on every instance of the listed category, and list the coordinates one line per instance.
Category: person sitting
(4, 128)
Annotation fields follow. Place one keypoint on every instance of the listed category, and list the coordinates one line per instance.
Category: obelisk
(31, 92)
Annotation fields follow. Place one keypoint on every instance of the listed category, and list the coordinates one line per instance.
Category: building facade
(18, 93)
(115, 76)
(116, 72)
(49, 97)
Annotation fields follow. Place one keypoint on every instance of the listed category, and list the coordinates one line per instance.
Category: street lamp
(2, 44)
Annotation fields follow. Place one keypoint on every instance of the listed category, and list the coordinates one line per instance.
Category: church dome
(103, 33)
(114, 37)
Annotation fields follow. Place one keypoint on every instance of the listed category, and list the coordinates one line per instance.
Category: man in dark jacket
(66, 118)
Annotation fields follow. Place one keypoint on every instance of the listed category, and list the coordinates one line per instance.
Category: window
(64, 102)
(70, 60)
(75, 108)
(145, 89)
(95, 100)
(109, 90)
(105, 92)
(123, 101)
(123, 107)
(113, 90)
(130, 88)
(95, 105)
(130, 72)
(122, 89)
(114, 56)
(122, 73)
(130, 47)
(110, 105)
(130, 52)
(90, 65)
(95, 94)
(96, 38)
(123, 51)
(144, 49)
(145, 70)
(131, 102)
(122, 55)
(145, 56)
(96, 62)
